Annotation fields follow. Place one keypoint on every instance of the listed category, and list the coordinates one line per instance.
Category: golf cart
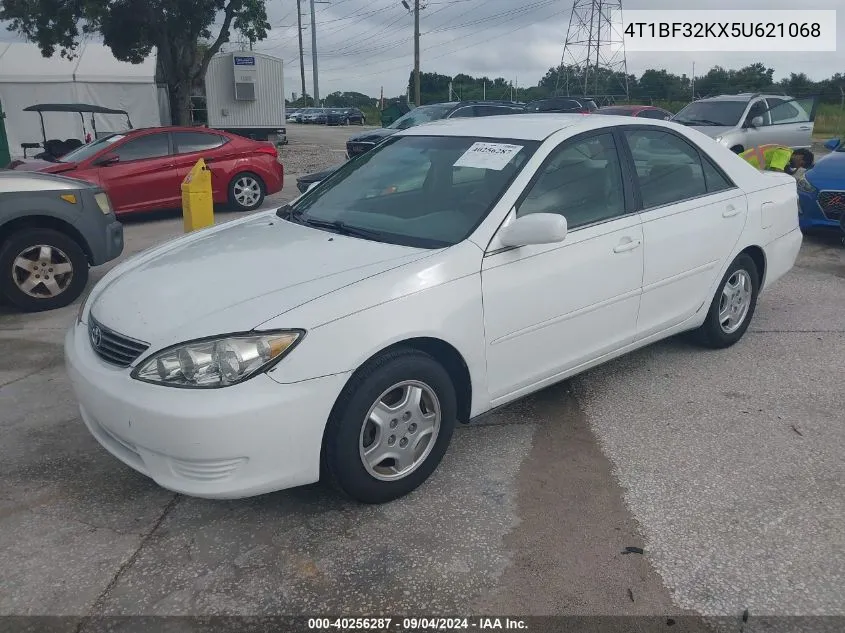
(54, 149)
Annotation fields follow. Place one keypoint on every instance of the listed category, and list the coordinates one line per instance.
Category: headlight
(804, 185)
(103, 202)
(82, 305)
(217, 362)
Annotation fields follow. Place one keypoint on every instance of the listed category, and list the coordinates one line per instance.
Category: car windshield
(722, 113)
(420, 191)
(87, 151)
(420, 115)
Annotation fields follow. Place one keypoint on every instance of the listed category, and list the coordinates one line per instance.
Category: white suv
(743, 121)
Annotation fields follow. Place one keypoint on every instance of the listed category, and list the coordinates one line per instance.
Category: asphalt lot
(726, 467)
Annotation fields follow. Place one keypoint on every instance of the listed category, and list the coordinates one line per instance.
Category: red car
(142, 170)
(642, 111)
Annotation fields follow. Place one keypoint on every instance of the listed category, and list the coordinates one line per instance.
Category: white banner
(722, 31)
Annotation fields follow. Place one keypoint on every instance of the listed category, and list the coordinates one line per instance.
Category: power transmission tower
(594, 47)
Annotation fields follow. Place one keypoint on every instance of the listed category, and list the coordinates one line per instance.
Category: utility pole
(417, 52)
(314, 55)
(693, 81)
(301, 52)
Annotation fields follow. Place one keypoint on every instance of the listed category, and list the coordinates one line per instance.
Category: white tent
(93, 77)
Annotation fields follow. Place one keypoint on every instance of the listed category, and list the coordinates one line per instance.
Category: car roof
(528, 127)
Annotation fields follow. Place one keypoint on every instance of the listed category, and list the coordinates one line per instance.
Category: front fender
(437, 297)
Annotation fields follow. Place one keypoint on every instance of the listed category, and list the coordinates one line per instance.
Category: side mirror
(312, 185)
(757, 121)
(106, 160)
(534, 228)
(833, 144)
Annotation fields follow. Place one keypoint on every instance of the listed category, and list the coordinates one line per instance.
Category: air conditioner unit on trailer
(245, 74)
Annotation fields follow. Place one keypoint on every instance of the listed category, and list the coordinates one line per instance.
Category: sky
(367, 45)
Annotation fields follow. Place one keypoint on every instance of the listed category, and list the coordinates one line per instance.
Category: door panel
(144, 177)
(792, 121)
(550, 308)
(692, 218)
(189, 147)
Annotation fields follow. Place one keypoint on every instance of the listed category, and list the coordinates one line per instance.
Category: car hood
(829, 171)
(31, 164)
(371, 136)
(319, 175)
(712, 130)
(232, 278)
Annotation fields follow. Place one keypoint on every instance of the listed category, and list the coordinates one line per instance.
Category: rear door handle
(805, 127)
(730, 212)
(627, 246)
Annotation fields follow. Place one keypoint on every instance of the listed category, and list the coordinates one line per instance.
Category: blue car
(821, 190)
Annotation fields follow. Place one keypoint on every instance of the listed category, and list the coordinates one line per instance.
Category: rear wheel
(246, 192)
(42, 269)
(733, 306)
(390, 427)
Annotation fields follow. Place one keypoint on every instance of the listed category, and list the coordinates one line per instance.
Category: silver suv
(746, 120)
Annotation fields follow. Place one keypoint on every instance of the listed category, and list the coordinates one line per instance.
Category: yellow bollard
(197, 198)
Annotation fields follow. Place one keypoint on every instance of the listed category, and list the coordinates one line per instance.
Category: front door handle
(627, 246)
(730, 212)
(805, 127)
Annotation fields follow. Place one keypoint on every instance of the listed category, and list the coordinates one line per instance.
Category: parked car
(642, 111)
(291, 115)
(584, 105)
(365, 141)
(345, 116)
(460, 266)
(52, 229)
(314, 115)
(143, 170)
(821, 190)
(746, 120)
(300, 115)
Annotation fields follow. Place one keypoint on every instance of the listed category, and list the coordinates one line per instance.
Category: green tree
(180, 31)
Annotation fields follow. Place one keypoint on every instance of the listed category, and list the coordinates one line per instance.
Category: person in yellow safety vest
(770, 157)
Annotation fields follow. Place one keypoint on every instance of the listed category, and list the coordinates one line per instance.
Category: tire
(713, 333)
(60, 289)
(350, 430)
(239, 200)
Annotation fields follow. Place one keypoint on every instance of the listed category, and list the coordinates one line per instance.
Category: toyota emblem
(96, 336)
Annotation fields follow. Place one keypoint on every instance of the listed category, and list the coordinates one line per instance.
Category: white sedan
(455, 268)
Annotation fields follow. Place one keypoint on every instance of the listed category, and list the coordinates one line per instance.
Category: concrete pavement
(724, 466)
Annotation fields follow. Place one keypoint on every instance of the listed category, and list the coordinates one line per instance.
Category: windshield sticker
(488, 156)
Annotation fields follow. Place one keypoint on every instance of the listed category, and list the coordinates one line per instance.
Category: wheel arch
(42, 221)
(445, 354)
(758, 256)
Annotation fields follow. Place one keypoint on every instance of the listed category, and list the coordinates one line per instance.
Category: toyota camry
(455, 268)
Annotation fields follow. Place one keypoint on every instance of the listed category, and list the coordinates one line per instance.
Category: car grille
(356, 149)
(112, 347)
(832, 204)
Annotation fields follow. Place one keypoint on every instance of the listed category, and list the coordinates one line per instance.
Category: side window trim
(640, 207)
(578, 138)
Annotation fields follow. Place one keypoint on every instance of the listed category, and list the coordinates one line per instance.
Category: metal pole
(416, 52)
(301, 53)
(314, 56)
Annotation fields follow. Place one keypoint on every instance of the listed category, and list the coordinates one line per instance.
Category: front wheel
(390, 427)
(246, 192)
(733, 306)
(42, 269)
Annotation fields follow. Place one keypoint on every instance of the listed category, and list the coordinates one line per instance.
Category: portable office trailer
(245, 95)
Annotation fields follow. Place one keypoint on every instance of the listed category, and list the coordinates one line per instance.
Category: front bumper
(239, 441)
(811, 215)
